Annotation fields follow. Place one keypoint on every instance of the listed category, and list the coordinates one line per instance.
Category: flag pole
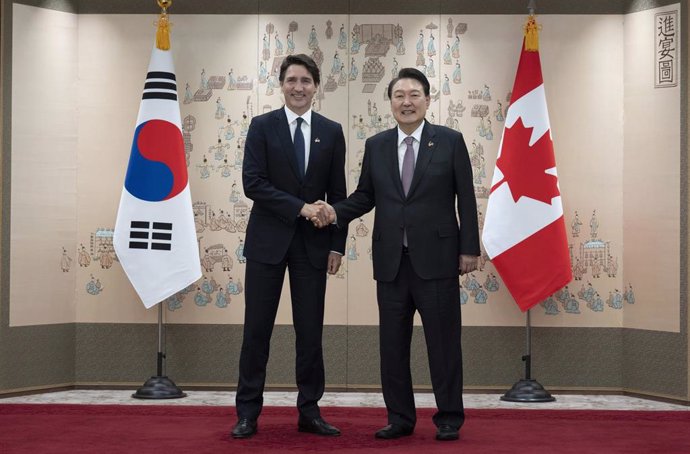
(527, 389)
(160, 386)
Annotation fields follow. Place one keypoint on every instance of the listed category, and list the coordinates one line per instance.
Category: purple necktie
(408, 165)
(407, 173)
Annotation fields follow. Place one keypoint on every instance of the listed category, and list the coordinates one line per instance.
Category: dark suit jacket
(271, 179)
(442, 180)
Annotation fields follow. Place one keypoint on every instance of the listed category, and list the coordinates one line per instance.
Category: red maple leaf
(524, 167)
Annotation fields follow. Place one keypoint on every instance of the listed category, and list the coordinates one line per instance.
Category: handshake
(319, 213)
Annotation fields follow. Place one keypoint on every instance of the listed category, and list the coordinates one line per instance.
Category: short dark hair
(303, 60)
(410, 73)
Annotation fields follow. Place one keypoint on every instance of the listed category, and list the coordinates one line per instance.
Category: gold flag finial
(163, 31)
(532, 34)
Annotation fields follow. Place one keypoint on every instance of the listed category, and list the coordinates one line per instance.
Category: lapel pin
(431, 144)
(317, 140)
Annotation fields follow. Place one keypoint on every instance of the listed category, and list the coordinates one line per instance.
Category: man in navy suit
(416, 175)
(293, 157)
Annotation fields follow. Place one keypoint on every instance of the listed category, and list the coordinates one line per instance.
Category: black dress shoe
(317, 426)
(446, 433)
(244, 428)
(392, 431)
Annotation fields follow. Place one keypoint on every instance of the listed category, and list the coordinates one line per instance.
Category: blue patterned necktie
(299, 146)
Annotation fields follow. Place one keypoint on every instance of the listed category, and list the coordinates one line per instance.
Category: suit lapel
(392, 160)
(426, 149)
(315, 146)
(286, 140)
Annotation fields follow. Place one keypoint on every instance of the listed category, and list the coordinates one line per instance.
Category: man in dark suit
(416, 175)
(293, 157)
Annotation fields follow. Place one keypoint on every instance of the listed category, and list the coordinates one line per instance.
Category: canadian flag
(524, 230)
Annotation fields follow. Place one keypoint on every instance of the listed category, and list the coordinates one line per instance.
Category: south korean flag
(155, 239)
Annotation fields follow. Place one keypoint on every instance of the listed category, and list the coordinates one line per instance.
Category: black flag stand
(528, 390)
(159, 386)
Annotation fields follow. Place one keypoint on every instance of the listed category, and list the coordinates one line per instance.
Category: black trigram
(160, 85)
(150, 235)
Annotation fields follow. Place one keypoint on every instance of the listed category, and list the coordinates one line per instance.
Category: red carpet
(132, 429)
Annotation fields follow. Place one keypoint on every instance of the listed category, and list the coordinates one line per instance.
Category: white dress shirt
(306, 131)
(402, 146)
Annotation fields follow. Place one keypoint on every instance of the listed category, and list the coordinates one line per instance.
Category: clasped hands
(319, 213)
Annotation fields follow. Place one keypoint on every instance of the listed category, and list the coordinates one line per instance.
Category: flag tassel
(163, 31)
(532, 34)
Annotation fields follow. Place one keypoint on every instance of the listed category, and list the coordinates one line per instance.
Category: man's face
(409, 104)
(298, 88)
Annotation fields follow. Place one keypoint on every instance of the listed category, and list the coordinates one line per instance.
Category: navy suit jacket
(271, 179)
(441, 183)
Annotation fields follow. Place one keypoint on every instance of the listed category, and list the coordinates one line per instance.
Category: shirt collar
(292, 116)
(417, 134)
